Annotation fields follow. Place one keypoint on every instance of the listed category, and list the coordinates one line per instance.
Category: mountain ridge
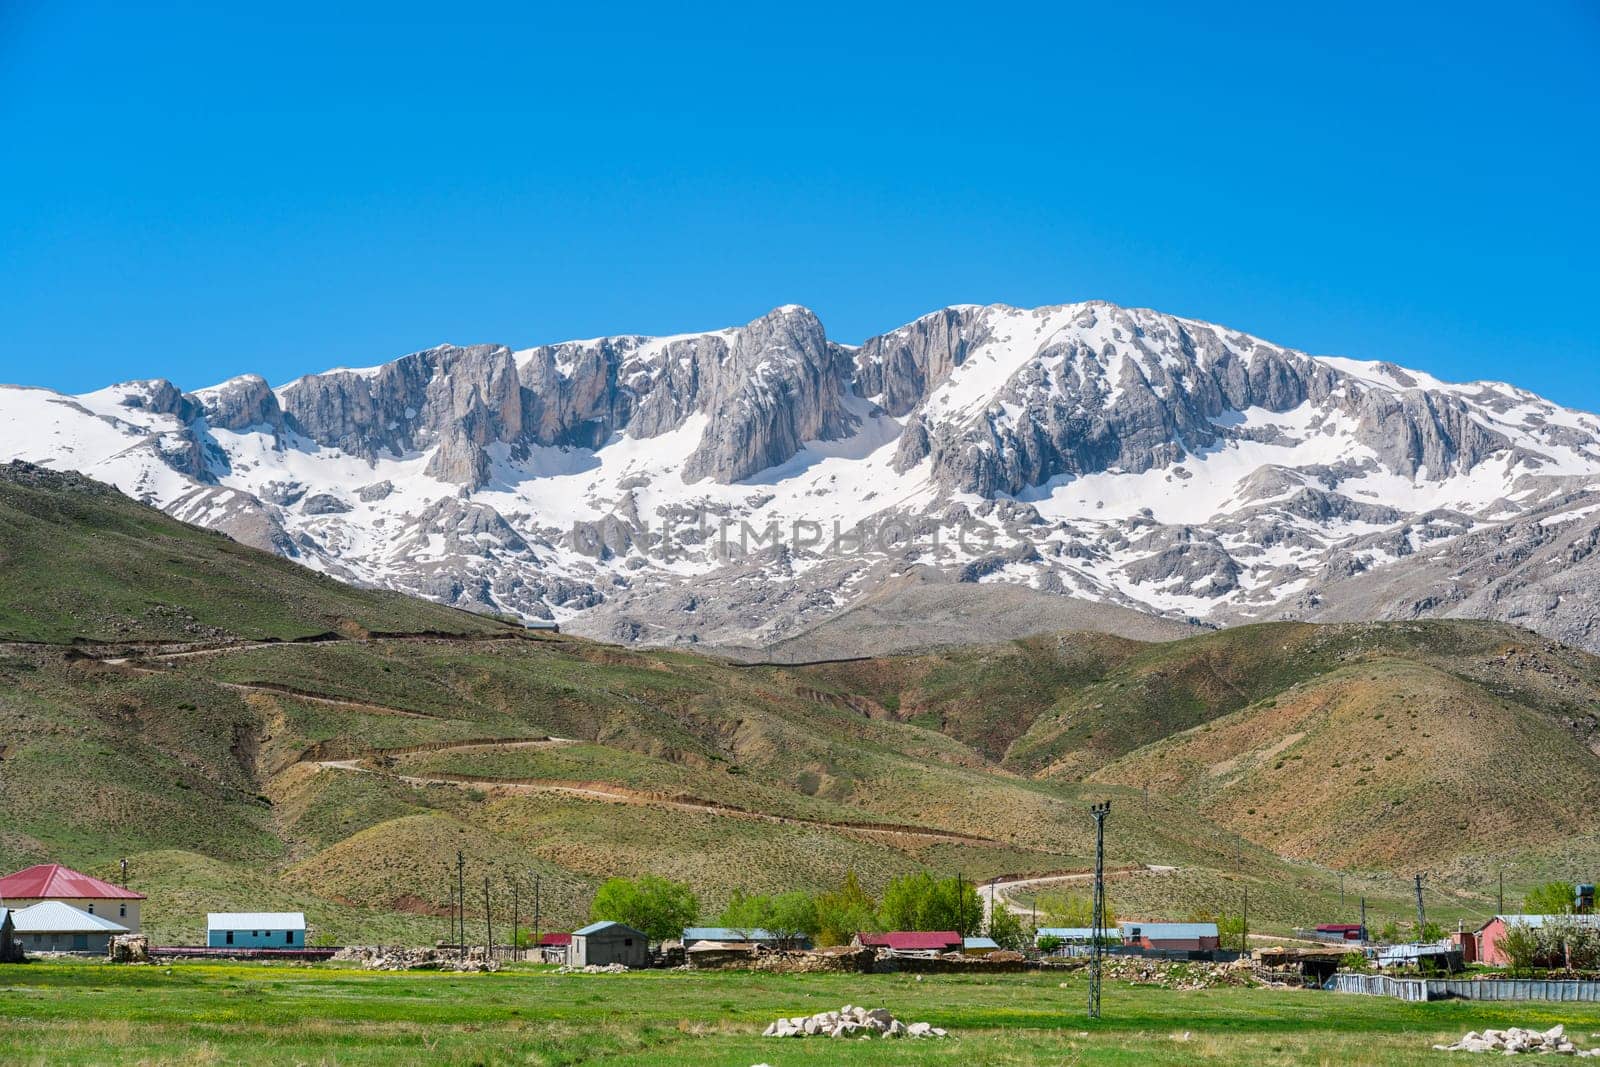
(1122, 456)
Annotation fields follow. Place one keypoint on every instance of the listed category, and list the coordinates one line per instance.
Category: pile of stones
(1517, 1040)
(129, 948)
(593, 968)
(851, 1021)
(378, 958)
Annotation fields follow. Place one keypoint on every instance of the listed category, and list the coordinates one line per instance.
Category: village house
(1483, 946)
(603, 943)
(52, 881)
(732, 938)
(979, 946)
(256, 929)
(1171, 937)
(912, 941)
(51, 926)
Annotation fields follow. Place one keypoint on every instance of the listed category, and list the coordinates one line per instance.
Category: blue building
(256, 929)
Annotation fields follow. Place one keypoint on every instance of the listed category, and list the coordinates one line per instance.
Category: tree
(1073, 909)
(746, 913)
(922, 902)
(1005, 927)
(793, 916)
(844, 912)
(1521, 944)
(1552, 898)
(1049, 943)
(652, 905)
(1231, 931)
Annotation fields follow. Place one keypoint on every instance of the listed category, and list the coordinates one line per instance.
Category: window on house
(230, 937)
(288, 937)
(628, 941)
(91, 909)
(122, 911)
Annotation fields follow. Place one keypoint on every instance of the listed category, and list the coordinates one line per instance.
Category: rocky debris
(129, 948)
(593, 968)
(851, 1021)
(1178, 974)
(379, 958)
(1515, 1040)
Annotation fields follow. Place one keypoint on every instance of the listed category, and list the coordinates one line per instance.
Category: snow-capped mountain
(738, 485)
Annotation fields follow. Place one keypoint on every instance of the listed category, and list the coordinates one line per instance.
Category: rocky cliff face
(744, 483)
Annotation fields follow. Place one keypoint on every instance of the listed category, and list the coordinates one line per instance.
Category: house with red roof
(53, 882)
(913, 941)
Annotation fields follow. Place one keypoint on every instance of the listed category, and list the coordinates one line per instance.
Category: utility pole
(516, 949)
(488, 923)
(1341, 893)
(461, 904)
(536, 914)
(1422, 919)
(1502, 908)
(1244, 932)
(124, 873)
(1097, 922)
(1364, 936)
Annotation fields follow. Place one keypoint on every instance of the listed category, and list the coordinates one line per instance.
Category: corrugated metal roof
(595, 928)
(54, 880)
(913, 940)
(54, 917)
(555, 940)
(1073, 933)
(1536, 921)
(256, 920)
(979, 942)
(1171, 931)
(727, 933)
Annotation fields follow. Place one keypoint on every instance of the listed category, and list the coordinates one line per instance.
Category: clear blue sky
(193, 193)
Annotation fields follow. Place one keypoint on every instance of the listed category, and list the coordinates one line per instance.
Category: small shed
(552, 947)
(51, 926)
(1486, 942)
(979, 946)
(256, 929)
(1171, 937)
(1341, 932)
(602, 943)
(10, 951)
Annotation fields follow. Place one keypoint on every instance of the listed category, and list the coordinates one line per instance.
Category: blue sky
(193, 193)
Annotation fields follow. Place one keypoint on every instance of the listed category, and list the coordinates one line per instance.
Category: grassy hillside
(80, 561)
(343, 776)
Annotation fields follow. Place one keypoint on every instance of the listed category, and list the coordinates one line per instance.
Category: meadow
(60, 1013)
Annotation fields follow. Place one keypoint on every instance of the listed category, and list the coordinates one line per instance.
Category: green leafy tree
(1522, 947)
(793, 916)
(746, 912)
(922, 902)
(1073, 909)
(656, 906)
(1005, 927)
(1231, 931)
(844, 912)
(1552, 898)
(1389, 933)
(1049, 943)
(1430, 931)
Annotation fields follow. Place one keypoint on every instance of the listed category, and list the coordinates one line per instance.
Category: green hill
(343, 775)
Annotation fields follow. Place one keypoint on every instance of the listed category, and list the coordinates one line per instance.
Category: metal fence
(1466, 988)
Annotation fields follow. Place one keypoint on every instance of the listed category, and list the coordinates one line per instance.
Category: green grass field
(94, 1013)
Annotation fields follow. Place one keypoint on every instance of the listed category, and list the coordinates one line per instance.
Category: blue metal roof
(1073, 933)
(595, 928)
(727, 933)
(979, 942)
(1171, 931)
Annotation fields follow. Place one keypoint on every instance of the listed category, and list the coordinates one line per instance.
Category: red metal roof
(51, 880)
(555, 940)
(913, 940)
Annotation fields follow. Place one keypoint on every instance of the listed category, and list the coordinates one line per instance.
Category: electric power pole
(536, 916)
(488, 923)
(1364, 937)
(1502, 907)
(1244, 923)
(124, 874)
(1097, 922)
(1422, 919)
(461, 905)
(1341, 893)
(516, 950)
